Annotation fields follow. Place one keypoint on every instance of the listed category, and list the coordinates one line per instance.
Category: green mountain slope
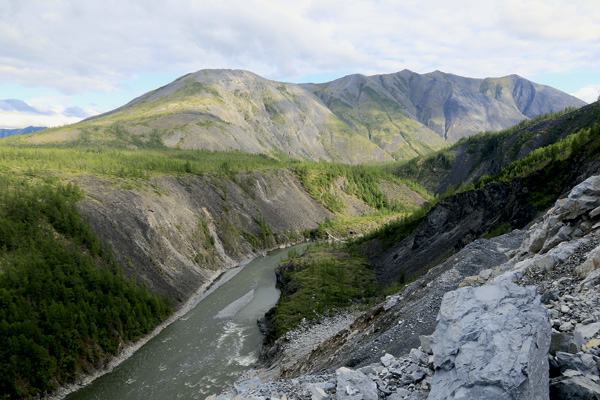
(487, 153)
(65, 304)
(228, 110)
(561, 151)
(84, 230)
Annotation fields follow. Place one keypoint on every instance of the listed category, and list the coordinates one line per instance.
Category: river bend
(204, 351)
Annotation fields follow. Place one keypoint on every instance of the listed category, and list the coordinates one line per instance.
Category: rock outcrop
(568, 219)
(491, 342)
(454, 223)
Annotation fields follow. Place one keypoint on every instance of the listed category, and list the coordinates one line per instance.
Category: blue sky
(68, 58)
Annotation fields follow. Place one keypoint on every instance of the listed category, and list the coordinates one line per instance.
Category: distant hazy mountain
(352, 119)
(9, 132)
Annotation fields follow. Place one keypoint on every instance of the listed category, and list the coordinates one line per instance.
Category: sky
(68, 59)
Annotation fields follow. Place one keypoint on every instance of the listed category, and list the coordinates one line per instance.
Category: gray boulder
(491, 342)
(574, 387)
(569, 342)
(588, 331)
(245, 386)
(318, 393)
(568, 361)
(354, 385)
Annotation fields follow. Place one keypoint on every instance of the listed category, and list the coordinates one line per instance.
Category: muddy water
(205, 350)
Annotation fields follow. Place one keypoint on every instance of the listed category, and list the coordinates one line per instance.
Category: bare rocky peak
(450, 105)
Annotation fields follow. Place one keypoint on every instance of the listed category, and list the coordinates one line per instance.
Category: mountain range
(353, 119)
(10, 132)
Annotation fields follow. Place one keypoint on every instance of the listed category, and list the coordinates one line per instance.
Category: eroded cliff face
(452, 224)
(176, 234)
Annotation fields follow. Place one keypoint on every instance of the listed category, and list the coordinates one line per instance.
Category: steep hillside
(66, 306)
(371, 110)
(177, 234)
(407, 113)
(507, 200)
(514, 317)
(487, 153)
(354, 119)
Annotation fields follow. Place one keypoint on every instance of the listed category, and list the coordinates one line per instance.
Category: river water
(204, 351)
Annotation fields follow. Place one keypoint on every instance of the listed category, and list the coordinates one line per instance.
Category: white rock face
(491, 342)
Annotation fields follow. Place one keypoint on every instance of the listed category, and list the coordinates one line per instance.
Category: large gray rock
(574, 387)
(581, 203)
(570, 361)
(354, 385)
(588, 331)
(491, 342)
(569, 342)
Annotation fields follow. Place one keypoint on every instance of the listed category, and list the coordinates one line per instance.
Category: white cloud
(41, 112)
(16, 120)
(556, 20)
(588, 94)
(74, 45)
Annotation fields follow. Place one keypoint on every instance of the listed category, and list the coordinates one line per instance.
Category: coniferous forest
(64, 304)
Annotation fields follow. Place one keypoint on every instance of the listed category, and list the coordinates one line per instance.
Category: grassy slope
(322, 279)
(201, 115)
(385, 123)
(488, 152)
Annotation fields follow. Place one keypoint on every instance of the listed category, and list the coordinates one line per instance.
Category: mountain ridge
(10, 132)
(413, 92)
(353, 119)
(487, 153)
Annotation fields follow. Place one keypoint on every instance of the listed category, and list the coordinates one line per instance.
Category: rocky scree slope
(354, 119)
(540, 289)
(452, 224)
(176, 234)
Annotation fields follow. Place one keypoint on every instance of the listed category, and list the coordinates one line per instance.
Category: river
(204, 351)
